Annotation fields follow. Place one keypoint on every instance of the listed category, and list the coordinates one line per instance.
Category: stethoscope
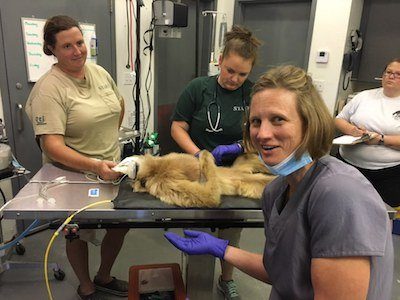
(214, 128)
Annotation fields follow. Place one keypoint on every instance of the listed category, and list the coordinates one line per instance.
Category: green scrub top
(198, 105)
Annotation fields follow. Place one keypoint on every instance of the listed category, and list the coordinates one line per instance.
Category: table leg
(200, 277)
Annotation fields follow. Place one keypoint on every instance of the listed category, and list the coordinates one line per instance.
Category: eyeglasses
(396, 75)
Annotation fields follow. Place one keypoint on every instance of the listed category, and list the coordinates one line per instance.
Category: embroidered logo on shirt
(238, 108)
(396, 115)
(104, 86)
(40, 120)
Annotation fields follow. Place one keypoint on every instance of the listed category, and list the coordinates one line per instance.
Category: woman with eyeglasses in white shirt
(376, 111)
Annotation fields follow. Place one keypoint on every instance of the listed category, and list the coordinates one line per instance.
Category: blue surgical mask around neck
(289, 165)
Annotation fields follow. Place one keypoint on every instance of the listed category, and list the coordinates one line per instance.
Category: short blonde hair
(318, 125)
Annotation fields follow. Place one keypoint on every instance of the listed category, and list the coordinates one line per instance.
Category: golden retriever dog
(184, 180)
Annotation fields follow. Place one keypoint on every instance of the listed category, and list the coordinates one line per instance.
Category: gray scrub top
(335, 212)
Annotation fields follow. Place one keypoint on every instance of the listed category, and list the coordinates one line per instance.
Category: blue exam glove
(226, 151)
(198, 242)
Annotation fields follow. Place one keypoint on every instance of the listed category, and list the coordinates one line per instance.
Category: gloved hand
(226, 151)
(198, 242)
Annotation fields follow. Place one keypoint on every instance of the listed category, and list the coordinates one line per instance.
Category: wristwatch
(382, 140)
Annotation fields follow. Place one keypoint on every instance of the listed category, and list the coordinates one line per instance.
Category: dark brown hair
(242, 42)
(396, 60)
(53, 26)
(318, 125)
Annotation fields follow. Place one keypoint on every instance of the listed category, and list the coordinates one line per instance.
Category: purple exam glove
(228, 151)
(198, 242)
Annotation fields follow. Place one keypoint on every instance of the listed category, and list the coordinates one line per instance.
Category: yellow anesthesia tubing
(54, 236)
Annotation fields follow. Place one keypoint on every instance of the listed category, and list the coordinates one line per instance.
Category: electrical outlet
(129, 78)
(168, 32)
(319, 85)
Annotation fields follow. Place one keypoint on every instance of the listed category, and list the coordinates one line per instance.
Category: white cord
(97, 178)
(4, 206)
(50, 184)
(114, 182)
(91, 176)
(66, 181)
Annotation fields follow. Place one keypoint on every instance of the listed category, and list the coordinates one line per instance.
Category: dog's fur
(183, 180)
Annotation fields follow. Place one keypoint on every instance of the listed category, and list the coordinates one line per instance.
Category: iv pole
(213, 64)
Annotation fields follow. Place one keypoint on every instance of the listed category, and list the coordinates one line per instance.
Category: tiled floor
(142, 246)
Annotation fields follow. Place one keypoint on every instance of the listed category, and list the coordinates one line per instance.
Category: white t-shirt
(377, 113)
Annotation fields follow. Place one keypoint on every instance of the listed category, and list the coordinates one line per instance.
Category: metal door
(14, 84)
(175, 65)
(283, 26)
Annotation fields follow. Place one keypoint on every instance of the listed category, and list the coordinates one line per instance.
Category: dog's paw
(206, 156)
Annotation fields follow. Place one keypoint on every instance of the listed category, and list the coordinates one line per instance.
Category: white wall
(330, 33)
(122, 57)
(354, 23)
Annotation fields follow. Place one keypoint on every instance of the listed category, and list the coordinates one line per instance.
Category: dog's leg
(250, 163)
(208, 169)
(252, 185)
(203, 193)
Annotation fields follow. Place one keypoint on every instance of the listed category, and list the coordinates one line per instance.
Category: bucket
(5, 156)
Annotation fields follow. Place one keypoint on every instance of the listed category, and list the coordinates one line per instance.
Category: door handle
(20, 120)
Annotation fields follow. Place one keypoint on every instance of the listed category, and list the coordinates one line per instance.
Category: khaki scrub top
(86, 112)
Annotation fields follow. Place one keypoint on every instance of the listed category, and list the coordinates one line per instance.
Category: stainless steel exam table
(144, 211)
(141, 211)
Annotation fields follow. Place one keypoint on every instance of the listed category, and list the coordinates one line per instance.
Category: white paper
(345, 140)
(352, 140)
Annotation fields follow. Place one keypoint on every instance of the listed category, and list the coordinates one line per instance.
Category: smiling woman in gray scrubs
(328, 235)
